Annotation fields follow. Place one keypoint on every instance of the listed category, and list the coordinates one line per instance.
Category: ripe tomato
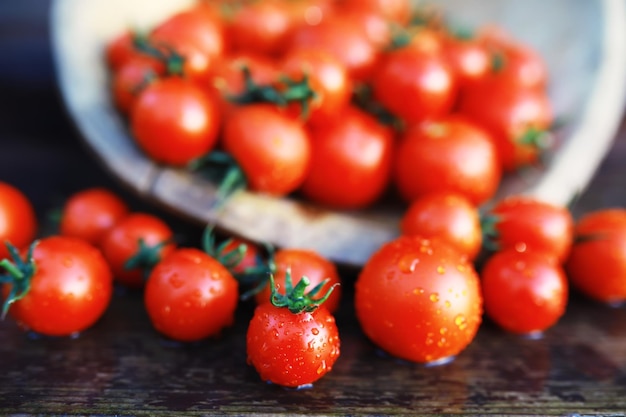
(120, 49)
(375, 26)
(131, 77)
(517, 118)
(197, 35)
(449, 216)
(262, 27)
(597, 262)
(66, 287)
(174, 121)
(190, 296)
(448, 154)
(272, 149)
(90, 213)
(414, 84)
(342, 38)
(18, 221)
(469, 58)
(524, 292)
(396, 11)
(289, 346)
(327, 77)
(134, 245)
(419, 299)
(302, 262)
(524, 223)
(350, 162)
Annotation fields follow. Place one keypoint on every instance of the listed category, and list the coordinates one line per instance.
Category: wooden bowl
(583, 42)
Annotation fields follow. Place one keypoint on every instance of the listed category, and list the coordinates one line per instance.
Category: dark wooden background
(122, 367)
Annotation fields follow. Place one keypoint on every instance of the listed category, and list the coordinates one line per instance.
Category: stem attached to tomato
(146, 257)
(296, 299)
(19, 274)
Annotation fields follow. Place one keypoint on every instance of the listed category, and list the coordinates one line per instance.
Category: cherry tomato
(597, 262)
(344, 39)
(469, 58)
(351, 161)
(262, 27)
(120, 49)
(327, 77)
(70, 286)
(89, 214)
(397, 11)
(190, 296)
(375, 26)
(419, 299)
(414, 84)
(449, 216)
(174, 121)
(134, 245)
(292, 347)
(524, 292)
(448, 154)
(18, 221)
(131, 77)
(197, 35)
(272, 149)
(525, 223)
(517, 118)
(302, 262)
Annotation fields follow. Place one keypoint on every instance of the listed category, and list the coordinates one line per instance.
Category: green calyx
(19, 274)
(488, 226)
(283, 93)
(540, 139)
(362, 97)
(295, 298)
(174, 62)
(146, 257)
(220, 168)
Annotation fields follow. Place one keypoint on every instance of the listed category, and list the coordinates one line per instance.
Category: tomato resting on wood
(60, 287)
(419, 299)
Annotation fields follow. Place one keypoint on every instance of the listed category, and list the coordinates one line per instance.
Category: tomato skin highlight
(174, 121)
(18, 220)
(90, 213)
(448, 154)
(307, 263)
(418, 299)
(350, 162)
(190, 296)
(292, 350)
(273, 150)
(70, 290)
(596, 265)
(524, 292)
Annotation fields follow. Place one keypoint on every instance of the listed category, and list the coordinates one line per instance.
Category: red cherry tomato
(272, 149)
(414, 84)
(351, 161)
(397, 11)
(524, 223)
(89, 214)
(69, 290)
(190, 296)
(469, 58)
(419, 299)
(449, 154)
(449, 216)
(307, 263)
(524, 292)
(517, 118)
(597, 262)
(344, 39)
(327, 77)
(131, 77)
(18, 221)
(292, 347)
(174, 121)
(120, 49)
(197, 35)
(142, 237)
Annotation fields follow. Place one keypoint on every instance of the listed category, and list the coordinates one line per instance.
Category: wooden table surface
(122, 367)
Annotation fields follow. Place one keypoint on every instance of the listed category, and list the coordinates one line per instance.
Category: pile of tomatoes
(337, 100)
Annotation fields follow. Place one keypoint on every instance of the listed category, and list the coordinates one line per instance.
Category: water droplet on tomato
(321, 368)
(520, 247)
(315, 331)
(443, 330)
(448, 304)
(441, 270)
(434, 297)
(418, 291)
(408, 263)
(460, 321)
(176, 281)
